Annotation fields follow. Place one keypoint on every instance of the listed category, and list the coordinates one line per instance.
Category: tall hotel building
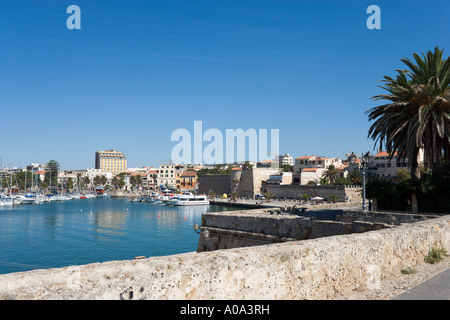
(110, 161)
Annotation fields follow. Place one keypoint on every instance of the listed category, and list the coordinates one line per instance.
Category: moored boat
(191, 200)
(29, 199)
(8, 202)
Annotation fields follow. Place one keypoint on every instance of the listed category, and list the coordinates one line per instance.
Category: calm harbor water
(82, 231)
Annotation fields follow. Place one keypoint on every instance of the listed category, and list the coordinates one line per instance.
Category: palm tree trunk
(437, 170)
(415, 172)
(415, 176)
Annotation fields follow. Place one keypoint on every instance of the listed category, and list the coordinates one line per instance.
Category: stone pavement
(288, 203)
(427, 282)
(436, 288)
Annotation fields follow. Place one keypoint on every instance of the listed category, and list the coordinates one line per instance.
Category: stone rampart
(311, 269)
(294, 191)
(232, 229)
(219, 183)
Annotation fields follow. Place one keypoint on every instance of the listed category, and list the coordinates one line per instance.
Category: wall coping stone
(310, 269)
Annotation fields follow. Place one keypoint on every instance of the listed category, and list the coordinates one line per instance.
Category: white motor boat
(157, 199)
(61, 197)
(39, 199)
(191, 200)
(30, 199)
(170, 200)
(8, 202)
(47, 198)
(18, 199)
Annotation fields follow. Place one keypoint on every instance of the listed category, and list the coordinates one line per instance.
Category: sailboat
(1, 183)
(8, 202)
(31, 197)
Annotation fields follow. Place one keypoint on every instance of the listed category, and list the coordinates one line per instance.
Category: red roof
(384, 154)
(309, 157)
(310, 169)
(188, 174)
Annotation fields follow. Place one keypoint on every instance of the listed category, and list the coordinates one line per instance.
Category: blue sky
(139, 69)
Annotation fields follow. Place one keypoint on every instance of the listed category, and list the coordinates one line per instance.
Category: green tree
(247, 165)
(287, 168)
(341, 181)
(23, 180)
(355, 177)
(51, 176)
(334, 198)
(268, 195)
(69, 183)
(417, 114)
(304, 197)
(115, 181)
(78, 180)
(331, 174)
(138, 180)
(97, 180)
(86, 181)
(133, 181)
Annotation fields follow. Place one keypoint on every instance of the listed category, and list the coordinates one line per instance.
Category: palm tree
(103, 180)
(138, 180)
(115, 181)
(355, 177)
(86, 181)
(418, 113)
(331, 174)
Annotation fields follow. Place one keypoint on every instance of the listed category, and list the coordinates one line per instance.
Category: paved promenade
(287, 203)
(436, 288)
(431, 282)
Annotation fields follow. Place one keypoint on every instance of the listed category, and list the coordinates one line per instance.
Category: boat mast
(1, 178)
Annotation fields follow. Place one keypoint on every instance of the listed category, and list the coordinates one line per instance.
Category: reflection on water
(83, 231)
(109, 225)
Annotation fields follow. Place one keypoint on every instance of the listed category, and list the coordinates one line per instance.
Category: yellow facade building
(110, 161)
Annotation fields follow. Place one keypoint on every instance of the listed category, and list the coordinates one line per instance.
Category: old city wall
(233, 229)
(219, 183)
(294, 191)
(310, 269)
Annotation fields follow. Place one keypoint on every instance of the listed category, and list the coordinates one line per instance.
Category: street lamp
(364, 163)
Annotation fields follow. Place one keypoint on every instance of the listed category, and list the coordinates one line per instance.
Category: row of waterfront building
(111, 165)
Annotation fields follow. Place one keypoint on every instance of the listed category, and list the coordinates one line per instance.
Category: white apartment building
(315, 162)
(147, 174)
(166, 175)
(387, 168)
(92, 173)
(285, 159)
(311, 168)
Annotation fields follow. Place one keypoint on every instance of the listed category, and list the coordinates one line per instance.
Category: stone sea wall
(233, 229)
(310, 269)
